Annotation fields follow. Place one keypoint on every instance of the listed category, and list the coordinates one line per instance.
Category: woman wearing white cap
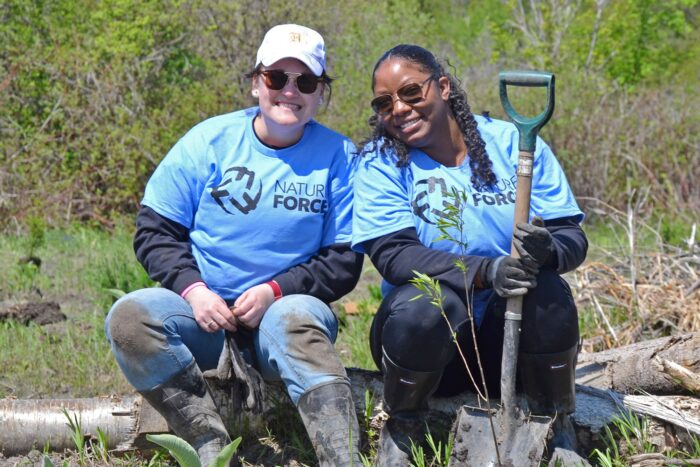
(246, 225)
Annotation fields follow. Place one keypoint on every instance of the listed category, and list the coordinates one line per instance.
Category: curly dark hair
(479, 162)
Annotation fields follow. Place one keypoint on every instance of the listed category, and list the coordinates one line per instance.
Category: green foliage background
(94, 93)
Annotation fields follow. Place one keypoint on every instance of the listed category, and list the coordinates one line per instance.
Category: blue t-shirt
(253, 211)
(390, 198)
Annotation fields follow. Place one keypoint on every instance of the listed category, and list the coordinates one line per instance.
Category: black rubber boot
(548, 382)
(406, 394)
(328, 413)
(186, 405)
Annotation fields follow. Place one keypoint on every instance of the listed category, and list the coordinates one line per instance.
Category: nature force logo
(433, 197)
(242, 190)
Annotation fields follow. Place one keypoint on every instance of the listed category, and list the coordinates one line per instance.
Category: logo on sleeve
(238, 189)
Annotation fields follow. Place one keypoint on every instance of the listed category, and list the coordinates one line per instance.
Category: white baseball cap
(293, 41)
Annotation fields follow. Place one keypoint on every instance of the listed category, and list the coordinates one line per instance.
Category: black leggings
(415, 335)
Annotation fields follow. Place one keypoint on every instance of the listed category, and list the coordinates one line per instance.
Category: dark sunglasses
(276, 80)
(410, 94)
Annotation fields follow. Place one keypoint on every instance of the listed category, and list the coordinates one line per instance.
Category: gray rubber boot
(548, 381)
(328, 413)
(406, 394)
(186, 405)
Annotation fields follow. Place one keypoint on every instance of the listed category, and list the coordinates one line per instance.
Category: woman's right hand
(509, 277)
(210, 310)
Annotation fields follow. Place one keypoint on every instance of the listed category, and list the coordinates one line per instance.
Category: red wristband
(276, 290)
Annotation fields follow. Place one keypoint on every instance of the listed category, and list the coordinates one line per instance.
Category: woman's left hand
(250, 307)
(534, 243)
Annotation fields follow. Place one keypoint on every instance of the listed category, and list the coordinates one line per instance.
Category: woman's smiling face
(287, 108)
(417, 124)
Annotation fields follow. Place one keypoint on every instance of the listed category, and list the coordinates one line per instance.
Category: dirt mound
(40, 313)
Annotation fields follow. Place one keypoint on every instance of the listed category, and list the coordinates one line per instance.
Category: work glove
(508, 277)
(534, 244)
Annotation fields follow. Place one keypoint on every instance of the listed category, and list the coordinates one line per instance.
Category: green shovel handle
(527, 127)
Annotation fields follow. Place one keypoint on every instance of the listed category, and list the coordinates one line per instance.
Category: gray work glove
(247, 385)
(534, 244)
(508, 277)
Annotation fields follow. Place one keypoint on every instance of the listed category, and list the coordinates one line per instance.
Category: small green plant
(76, 433)
(367, 419)
(632, 438)
(185, 454)
(696, 447)
(417, 455)
(441, 455)
(438, 456)
(366, 460)
(101, 449)
(451, 227)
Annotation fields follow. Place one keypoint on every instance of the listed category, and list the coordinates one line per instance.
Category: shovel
(509, 437)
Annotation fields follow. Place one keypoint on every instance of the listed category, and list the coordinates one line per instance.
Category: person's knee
(132, 329)
(416, 313)
(550, 318)
(295, 313)
(418, 334)
(302, 329)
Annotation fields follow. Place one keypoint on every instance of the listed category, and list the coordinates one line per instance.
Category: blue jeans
(154, 336)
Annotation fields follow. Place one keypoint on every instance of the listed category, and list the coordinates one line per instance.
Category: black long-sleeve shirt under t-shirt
(397, 255)
(163, 247)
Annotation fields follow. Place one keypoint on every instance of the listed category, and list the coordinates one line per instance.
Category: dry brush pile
(639, 293)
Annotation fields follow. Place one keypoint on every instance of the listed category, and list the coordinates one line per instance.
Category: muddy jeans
(153, 336)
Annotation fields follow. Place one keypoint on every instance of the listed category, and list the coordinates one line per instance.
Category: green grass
(610, 234)
(353, 337)
(79, 269)
(629, 435)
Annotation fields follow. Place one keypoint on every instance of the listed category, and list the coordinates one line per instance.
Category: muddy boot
(191, 414)
(328, 413)
(548, 381)
(406, 394)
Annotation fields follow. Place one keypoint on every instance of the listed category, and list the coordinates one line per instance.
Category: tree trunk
(669, 365)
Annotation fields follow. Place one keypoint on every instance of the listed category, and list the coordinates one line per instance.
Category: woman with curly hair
(431, 167)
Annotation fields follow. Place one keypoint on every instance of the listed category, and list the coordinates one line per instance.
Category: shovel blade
(521, 439)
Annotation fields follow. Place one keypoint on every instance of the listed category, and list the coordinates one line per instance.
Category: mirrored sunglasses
(276, 80)
(410, 94)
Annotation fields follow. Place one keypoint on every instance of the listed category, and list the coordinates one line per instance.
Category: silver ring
(210, 323)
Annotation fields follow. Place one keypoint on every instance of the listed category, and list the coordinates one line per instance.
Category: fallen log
(602, 379)
(29, 424)
(656, 366)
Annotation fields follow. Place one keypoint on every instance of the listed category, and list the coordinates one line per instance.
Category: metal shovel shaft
(527, 129)
(514, 305)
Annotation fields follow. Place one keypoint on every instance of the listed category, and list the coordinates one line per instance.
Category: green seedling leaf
(222, 459)
(180, 449)
(46, 462)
